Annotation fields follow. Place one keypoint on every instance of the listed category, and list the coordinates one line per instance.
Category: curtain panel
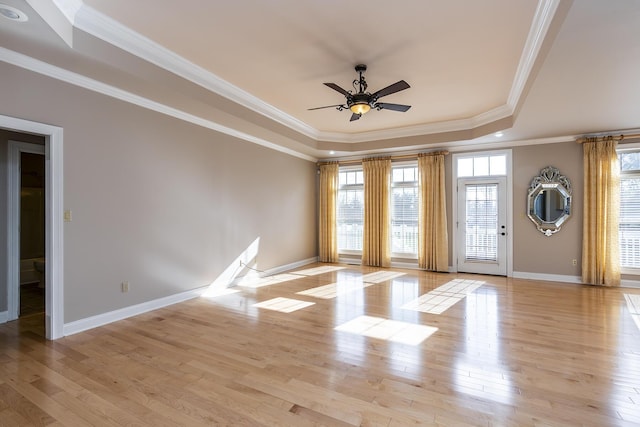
(600, 246)
(433, 240)
(327, 216)
(376, 249)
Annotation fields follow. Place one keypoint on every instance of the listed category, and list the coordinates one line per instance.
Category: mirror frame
(549, 178)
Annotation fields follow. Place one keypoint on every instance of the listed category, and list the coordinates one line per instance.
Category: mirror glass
(549, 200)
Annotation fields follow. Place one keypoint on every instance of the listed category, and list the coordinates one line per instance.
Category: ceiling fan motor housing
(359, 98)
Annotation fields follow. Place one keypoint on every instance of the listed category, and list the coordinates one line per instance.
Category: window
(350, 215)
(494, 165)
(404, 210)
(629, 226)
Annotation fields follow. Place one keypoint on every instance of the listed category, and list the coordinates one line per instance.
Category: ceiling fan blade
(393, 107)
(327, 106)
(396, 87)
(338, 89)
(355, 117)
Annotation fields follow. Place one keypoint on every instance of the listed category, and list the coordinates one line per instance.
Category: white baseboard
(547, 277)
(297, 264)
(123, 313)
(630, 284)
(4, 316)
(120, 314)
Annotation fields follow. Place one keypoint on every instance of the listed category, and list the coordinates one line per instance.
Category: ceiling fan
(361, 102)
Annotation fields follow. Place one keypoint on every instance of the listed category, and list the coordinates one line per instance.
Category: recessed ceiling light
(332, 152)
(12, 13)
(499, 134)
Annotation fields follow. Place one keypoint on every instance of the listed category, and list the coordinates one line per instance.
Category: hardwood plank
(512, 352)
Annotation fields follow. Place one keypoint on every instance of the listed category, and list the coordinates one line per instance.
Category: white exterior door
(482, 226)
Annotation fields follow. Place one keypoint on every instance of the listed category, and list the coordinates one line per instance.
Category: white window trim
(403, 164)
(353, 168)
(632, 271)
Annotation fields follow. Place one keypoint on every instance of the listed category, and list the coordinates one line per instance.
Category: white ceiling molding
(545, 12)
(97, 24)
(69, 8)
(40, 67)
(468, 146)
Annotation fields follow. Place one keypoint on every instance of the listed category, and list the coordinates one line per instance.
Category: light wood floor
(508, 352)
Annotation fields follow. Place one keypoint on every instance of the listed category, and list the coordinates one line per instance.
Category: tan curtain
(376, 250)
(600, 250)
(327, 229)
(433, 241)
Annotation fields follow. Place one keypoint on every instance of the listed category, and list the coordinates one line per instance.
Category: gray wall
(158, 202)
(533, 252)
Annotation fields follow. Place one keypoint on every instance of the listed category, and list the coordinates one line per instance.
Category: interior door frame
(509, 202)
(54, 245)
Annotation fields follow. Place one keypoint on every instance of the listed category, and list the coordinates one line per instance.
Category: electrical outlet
(124, 286)
(574, 262)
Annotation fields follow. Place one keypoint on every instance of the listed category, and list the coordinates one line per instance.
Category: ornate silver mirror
(549, 200)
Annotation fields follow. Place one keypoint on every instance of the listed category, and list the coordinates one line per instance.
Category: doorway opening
(483, 213)
(32, 234)
(46, 271)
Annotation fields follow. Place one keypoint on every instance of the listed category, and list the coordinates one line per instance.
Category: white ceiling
(538, 70)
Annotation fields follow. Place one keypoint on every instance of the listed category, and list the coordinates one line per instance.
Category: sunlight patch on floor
(318, 270)
(334, 289)
(283, 305)
(381, 276)
(259, 282)
(443, 297)
(212, 293)
(633, 303)
(389, 330)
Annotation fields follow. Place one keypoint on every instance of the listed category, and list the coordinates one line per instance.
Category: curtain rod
(617, 138)
(398, 157)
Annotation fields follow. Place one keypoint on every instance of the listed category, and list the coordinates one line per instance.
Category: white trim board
(134, 310)
(276, 270)
(630, 284)
(54, 274)
(567, 279)
(93, 22)
(547, 277)
(40, 67)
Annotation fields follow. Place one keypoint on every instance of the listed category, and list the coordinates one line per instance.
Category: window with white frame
(404, 210)
(350, 211)
(479, 166)
(629, 224)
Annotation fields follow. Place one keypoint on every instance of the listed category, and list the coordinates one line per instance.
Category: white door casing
(54, 248)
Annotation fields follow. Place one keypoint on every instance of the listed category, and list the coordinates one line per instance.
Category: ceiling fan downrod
(360, 84)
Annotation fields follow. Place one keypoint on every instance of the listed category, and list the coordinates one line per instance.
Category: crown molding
(69, 8)
(101, 26)
(542, 19)
(40, 67)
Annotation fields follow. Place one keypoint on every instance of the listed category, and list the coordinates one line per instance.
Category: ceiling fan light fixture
(360, 108)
